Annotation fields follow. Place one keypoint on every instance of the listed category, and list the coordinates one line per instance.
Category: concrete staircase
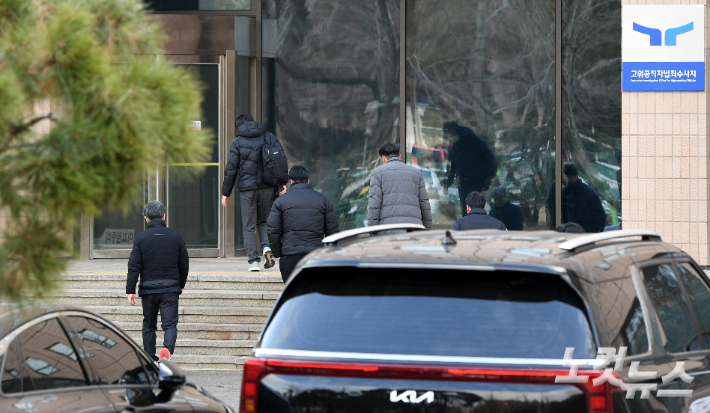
(221, 313)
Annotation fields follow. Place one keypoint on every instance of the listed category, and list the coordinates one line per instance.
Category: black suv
(484, 321)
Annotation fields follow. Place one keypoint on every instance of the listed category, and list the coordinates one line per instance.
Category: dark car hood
(251, 129)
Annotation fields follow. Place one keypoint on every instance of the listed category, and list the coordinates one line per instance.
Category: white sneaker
(254, 266)
(268, 258)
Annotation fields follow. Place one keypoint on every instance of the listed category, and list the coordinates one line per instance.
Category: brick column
(665, 161)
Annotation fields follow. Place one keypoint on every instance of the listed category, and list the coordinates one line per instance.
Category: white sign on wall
(663, 48)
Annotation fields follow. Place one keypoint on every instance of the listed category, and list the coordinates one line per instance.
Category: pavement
(225, 385)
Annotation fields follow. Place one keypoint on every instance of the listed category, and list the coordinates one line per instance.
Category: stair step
(212, 298)
(222, 313)
(209, 347)
(222, 282)
(190, 362)
(201, 331)
(217, 315)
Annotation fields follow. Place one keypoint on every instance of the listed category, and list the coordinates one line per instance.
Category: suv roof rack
(351, 233)
(582, 241)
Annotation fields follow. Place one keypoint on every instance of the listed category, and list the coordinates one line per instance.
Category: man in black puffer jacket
(255, 199)
(298, 221)
(160, 259)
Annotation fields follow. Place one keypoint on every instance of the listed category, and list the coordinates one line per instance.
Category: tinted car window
(48, 360)
(112, 359)
(432, 312)
(12, 370)
(623, 318)
(635, 330)
(672, 308)
(699, 297)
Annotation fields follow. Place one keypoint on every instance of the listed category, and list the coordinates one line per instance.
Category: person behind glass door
(503, 210)
(255, 199)
(159, 258)
(570, 227)
(472, 161)
(581, 203)
(476, 217)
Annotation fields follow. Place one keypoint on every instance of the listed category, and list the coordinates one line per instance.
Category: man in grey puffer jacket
(397, 192)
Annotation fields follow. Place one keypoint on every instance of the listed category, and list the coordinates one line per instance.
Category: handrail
(575, 243)
(333, 239)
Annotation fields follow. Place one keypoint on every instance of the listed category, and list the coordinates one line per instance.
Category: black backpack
(274, 162)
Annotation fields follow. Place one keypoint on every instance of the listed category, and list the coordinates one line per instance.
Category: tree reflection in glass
(488, 65)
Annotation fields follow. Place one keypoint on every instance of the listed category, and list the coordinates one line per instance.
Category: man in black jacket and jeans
(255, 199)
(298, 221)
(160, 259)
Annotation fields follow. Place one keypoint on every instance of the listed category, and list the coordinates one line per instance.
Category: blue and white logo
(661, 48)
(671, 34)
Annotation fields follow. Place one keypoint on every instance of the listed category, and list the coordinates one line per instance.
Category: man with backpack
(257, 159)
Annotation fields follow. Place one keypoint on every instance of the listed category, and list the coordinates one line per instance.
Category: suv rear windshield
(430, 312)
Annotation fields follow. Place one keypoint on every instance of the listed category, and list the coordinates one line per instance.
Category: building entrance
(190, 191)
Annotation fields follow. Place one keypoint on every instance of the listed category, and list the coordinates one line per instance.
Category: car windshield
(430, 312)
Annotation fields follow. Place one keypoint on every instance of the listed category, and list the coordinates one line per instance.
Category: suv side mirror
(170, 376)
(170, 379)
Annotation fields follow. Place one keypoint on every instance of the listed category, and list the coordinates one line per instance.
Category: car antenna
(449, 239)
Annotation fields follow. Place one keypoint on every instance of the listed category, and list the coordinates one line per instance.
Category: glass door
(193, 198)
(113, 231)
(190, 191)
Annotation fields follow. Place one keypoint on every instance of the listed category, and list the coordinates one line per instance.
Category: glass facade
(591, 110)
(331, 93)
(488, 66)
(195, 5)
(482, 98)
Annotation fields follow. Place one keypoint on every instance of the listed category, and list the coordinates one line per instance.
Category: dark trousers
(167, 304)
(255, 207)
(287, 264)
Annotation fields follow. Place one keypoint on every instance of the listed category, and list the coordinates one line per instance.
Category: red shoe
(164, 354)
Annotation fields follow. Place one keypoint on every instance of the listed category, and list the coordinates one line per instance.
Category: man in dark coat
(570, 227)
(581, 204)
(472, 160)
(477, 217)
(298, 221)
(503, 210)
(160, 260)
(255, 199)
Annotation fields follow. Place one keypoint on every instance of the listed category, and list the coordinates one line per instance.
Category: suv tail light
(254, 371)
(599, 399)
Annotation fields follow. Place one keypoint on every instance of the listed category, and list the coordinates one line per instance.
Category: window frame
(704, 279)
(13, 335)
(637, 280)
(645, 296)
(141, 357)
